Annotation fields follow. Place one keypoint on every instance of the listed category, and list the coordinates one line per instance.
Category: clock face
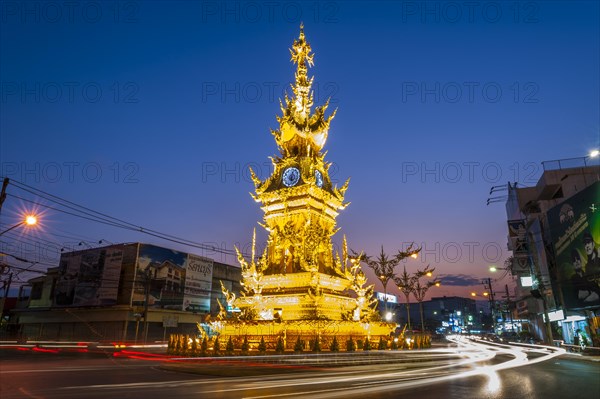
(318, 178)
(291, 176)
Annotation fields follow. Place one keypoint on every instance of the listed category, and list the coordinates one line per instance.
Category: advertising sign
(89, 278)
(575, 231)
(386, 297)
(198, 283)
(162, 270)
(176, 280)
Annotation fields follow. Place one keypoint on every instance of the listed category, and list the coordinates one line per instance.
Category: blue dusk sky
(152, 111)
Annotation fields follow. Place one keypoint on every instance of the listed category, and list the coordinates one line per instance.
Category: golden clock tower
(298, 278)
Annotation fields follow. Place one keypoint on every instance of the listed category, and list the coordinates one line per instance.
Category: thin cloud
(459, 280)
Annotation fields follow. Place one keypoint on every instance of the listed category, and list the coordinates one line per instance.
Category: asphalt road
(470, 370)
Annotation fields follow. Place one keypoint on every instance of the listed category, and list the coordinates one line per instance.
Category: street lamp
(29, 220)
(388, 316)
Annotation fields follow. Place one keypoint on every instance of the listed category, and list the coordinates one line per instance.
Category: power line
(103, 218)
(33, 263)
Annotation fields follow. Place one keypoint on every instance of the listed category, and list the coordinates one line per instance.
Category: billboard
(198, 283)
(175, 280)
(89, 278)
(575, 231)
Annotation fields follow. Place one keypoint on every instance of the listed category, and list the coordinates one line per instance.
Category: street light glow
(414, 256)
(29, 220)
(493, 268)
(594, 153)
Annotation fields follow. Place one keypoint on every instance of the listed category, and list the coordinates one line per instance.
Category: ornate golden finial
(303, 58)
(301, 132)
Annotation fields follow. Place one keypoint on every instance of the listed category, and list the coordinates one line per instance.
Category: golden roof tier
(302, 132)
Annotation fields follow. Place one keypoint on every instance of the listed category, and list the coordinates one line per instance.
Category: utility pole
(510, 317)
(542, 290)
(3, 192)
(492, 302)
(147, 292)
(6, 284)
(6, 288)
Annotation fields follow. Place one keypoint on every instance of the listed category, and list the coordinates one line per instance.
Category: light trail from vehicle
(413, 369)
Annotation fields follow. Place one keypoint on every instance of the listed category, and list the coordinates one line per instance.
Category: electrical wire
(99, 217)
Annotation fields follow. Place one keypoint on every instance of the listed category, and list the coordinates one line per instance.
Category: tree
(335, 345)
(367, 344)
(406, 284)
(280, 348)
(410, 252)
(229, 348)
(262, 346)
(216, 347)
(382, 344)
(317, 345)
(383, 267)
(299, 345)
(421, 290)
(350, 345)
(245, 346)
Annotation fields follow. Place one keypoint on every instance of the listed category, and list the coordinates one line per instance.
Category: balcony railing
(568, 163)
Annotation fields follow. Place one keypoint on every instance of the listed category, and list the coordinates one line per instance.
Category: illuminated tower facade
(299, 201)
(299, 279)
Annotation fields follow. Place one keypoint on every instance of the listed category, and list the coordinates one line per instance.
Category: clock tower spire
(302, 132)
(298, 273)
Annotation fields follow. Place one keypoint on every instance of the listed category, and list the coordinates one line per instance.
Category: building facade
(124, 292)
(447, 314)
(554, 234)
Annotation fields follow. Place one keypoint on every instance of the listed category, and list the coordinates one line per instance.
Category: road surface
(466, 370)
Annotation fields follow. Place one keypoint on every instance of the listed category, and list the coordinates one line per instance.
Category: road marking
(69, 369)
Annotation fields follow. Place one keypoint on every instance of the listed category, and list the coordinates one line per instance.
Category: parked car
(492, 338)
(509, 337)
